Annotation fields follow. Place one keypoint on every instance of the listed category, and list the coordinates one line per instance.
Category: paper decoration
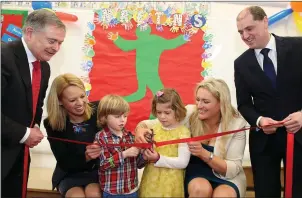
(88, 54)
(143, 47)
(7, 38)
(12, 22)
(186, 18)
(159, 13)
(23, 4)
(17, 31)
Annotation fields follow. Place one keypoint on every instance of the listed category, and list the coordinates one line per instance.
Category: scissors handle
(151, 138)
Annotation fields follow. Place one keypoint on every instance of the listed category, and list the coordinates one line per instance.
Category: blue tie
(268, 67)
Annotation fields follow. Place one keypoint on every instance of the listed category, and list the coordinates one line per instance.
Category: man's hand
(34, 138)
(293, 122)
(93, 151)
(265, 123)
(131, 152)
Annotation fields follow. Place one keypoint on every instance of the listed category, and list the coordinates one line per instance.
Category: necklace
(168, 129)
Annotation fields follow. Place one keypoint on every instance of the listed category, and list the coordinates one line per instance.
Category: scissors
(151, 139)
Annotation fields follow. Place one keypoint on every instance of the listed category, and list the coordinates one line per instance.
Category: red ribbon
(25, 167)
(289, 165)
(289, 154)
(199, 138)
(158, 144)
(25, 170)
(36, 82)
(140, 145)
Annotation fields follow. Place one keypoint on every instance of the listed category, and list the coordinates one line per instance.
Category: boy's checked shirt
(116, 174)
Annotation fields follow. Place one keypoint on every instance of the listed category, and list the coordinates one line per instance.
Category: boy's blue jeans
(132, 195)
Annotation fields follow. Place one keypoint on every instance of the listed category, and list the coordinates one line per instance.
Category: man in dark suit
(268, 79)
(43, 33)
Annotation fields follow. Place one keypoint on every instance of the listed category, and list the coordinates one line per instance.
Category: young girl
(118, 165)
(164, 176)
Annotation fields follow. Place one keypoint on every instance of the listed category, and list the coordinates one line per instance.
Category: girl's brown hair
(169, 95)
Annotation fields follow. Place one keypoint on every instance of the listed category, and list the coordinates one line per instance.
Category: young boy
(118, 175)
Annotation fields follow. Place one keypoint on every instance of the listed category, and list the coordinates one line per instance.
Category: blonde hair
(220, 90)
(111, 105)
(56, 112)
(169, 95)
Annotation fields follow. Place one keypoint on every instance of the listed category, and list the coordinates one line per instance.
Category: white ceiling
(273, 3)
(280, 4)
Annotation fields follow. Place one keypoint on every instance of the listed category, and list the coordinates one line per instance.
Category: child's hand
(142, 134)
(131, 152)
(151, 155)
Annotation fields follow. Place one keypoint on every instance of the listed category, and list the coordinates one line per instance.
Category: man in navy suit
(268, 79)
(43, 34)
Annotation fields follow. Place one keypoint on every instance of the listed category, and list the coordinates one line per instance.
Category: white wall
(223, 23)
(227, 42)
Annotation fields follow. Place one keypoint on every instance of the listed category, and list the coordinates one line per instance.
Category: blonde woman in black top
(72, 117)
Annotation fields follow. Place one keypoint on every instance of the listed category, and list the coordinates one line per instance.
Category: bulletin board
(11, 24)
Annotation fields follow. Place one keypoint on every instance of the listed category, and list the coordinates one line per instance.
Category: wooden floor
(35, 193)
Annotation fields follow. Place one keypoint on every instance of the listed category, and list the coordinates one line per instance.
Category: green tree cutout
(148, 51)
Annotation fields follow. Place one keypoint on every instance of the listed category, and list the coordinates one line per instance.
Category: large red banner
(126, 66)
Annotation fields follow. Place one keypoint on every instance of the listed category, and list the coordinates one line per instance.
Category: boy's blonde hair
(56, 112)
(169, 95)
(111, 105)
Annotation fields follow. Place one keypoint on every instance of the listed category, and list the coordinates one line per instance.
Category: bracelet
(211, 156)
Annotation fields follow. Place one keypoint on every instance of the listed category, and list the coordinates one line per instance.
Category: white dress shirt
(272, 54)
(31, 59)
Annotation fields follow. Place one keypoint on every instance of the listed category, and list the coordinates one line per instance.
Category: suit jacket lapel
(254, 65)
(22, 63)
(281, 54)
